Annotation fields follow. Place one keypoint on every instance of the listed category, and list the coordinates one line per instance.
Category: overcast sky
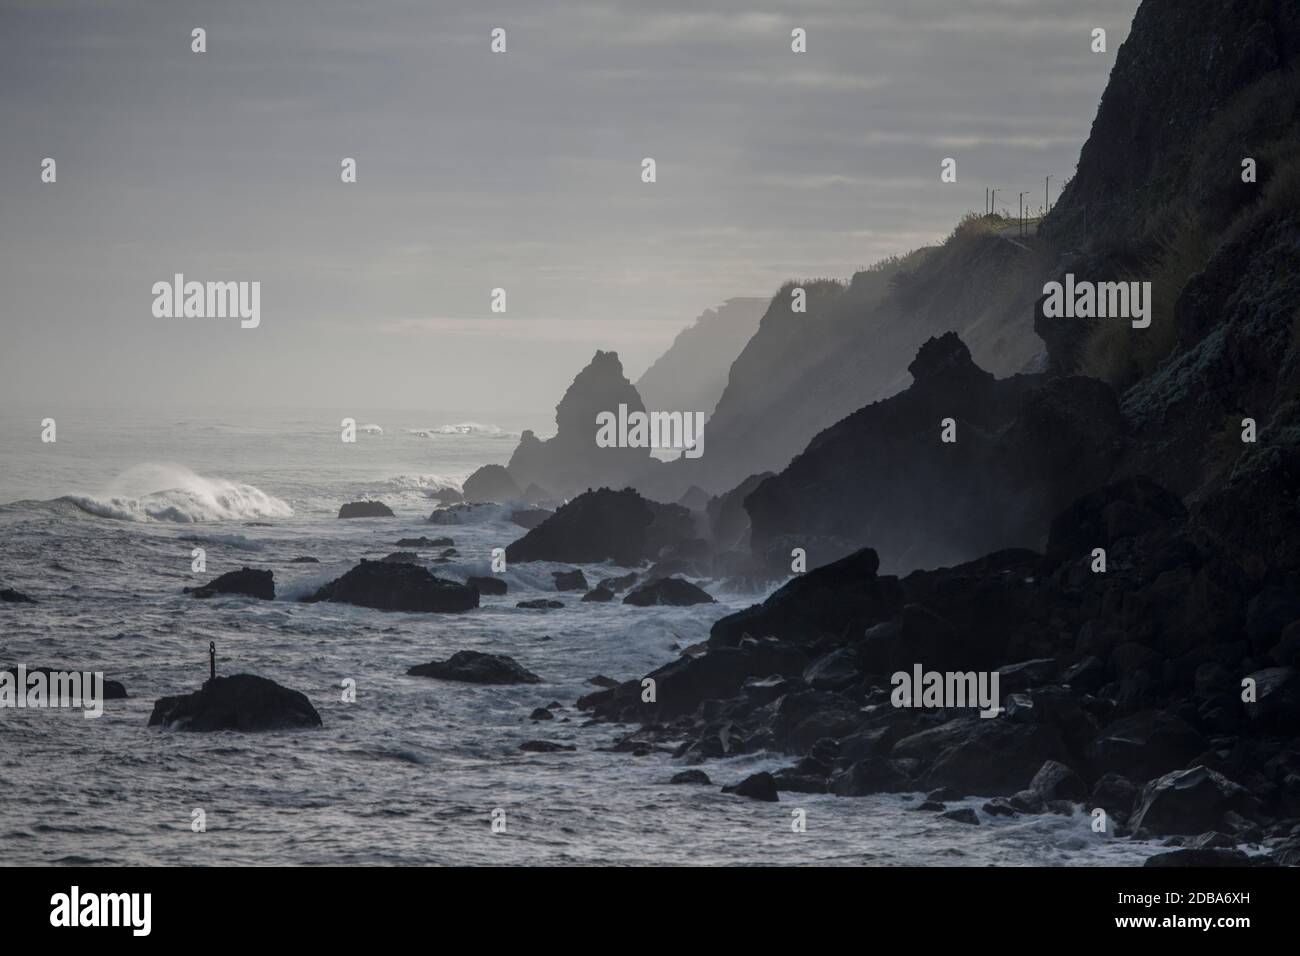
(477, 170)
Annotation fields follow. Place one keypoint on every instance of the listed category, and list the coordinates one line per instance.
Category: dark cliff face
(1197, 87)
(1021, 449)
(571, 461)
(692, 374)
(1183, 64)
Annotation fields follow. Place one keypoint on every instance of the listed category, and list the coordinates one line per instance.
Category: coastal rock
(671, 591)
(1056, 781)
(691, 777)
(248, 582)
(833, 601)
(365, 509)
(423, 542)
(962, 815)
(759, 786)
(491, 483)
(475, 667)
(617, 526)
(1189, 801)
(540, 604)
(112, 689)
(10, 596)
(487, 584)
(243, 702)
(573, 580)
(1145, 745)
(598, 595)
(571, 461)
(305, 559)
(1199, 857)
(397, 587)
(401, 557)
(545, 747)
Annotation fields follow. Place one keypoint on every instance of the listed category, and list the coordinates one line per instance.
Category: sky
(478, 170)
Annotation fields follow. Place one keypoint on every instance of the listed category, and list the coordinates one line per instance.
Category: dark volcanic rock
(1199, 858)
(691, 776)
(423, 542)
(573, 580)
(475, 667)
(401, 557)
(963, 815)
(305, 559)
(491, 483)
(1024, 448)
(248, 582)
(872, 775)
(672, 591)
(397, 587)
(1189, 801)
(242, 702)
(604, 525)
(487, 584)
(571, 461)
(112, 690)
(541, 713)
(545, 747)
(759, 786)
(365, 509)
(838, 601)
(1056, 781)
(10, 596)
(598, 595)
(540, 604)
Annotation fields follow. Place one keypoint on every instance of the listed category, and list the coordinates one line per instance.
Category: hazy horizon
(478, 170)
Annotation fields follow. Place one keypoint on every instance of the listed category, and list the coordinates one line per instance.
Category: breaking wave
(176, 494)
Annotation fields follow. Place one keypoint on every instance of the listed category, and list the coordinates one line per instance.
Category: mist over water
(99, 529)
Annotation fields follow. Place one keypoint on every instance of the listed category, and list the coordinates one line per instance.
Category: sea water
(100, 527)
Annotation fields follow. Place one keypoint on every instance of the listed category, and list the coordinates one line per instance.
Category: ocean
(99, 527)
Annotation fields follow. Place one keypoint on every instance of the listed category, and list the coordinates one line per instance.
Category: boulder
(474, 667)
(573, 580)
(1056, 781)
(397, 587)
(759, 786)
(871, 775)
(487, 584)
(692, 777)
(545, 747)
(1199, 857)
(491, 483)
(243, 702)
(401, 557)
(963, 815)
(604, 525)
(598, 595)
(1189, 801)
(246, 581)
(10, 596)
(365, 509)
(671, 591)
(112, 690)
(835, 602)
(540, 604)
(423, 542)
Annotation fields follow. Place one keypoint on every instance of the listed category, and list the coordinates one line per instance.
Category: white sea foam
(465, 428)
(158, 492)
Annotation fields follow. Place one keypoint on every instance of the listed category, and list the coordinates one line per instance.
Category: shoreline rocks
(246, 582)
(397, 587)
(243, 702)
(365, 509)
(475, 667)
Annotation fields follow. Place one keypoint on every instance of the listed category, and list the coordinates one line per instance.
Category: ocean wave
(428, 484)
(465, 428)
(173, 493)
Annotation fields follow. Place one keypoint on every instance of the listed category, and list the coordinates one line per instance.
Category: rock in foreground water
(243, 702)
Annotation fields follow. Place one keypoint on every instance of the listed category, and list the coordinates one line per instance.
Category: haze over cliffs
(691, 375)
